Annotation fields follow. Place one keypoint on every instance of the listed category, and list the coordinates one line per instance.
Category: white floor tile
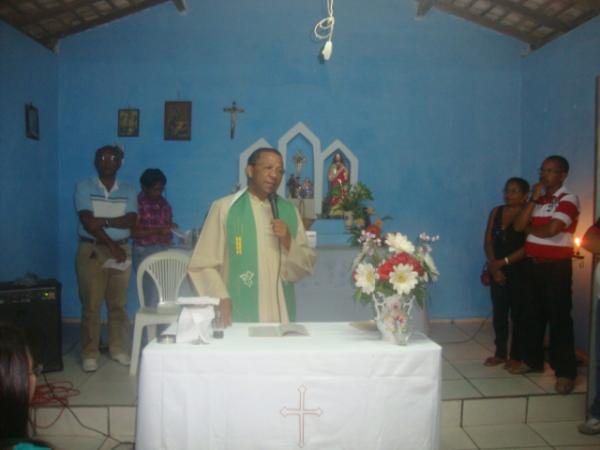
(564, 433)
(556, 408)
(464, 350)
(122, 422)
(476, 369)
(455, 438)
(578, 447)
(449, 372)
(502, 387)
(75, 442)
(458, 389)
(75, 421)
(497, 411)
(451, 413)
(111, 371)
(113, 444)
(71, 372)
(113, 393)
(528, 448)
(500, 436)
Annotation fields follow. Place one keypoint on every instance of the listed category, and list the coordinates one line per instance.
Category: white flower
(404, 279)
(399, 243)
(366, 276)
(431, 267)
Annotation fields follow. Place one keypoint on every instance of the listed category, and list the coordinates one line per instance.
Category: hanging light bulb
(327, 49)
(324, 31)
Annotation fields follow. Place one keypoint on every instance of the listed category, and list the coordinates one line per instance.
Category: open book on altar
(281, 330)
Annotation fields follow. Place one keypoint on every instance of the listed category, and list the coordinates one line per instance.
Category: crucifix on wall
(233, 110)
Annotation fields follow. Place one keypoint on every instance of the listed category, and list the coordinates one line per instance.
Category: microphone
(273, 202)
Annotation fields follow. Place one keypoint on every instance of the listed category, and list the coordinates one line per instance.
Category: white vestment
(209, 266)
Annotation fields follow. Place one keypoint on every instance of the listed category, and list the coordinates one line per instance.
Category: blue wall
(28, 184)
(433, 119)
(558, 118)
(437, 124)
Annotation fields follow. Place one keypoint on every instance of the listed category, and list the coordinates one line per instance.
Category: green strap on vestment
(243, 262)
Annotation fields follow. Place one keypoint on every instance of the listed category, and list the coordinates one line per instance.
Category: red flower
(374, 229)
(387, 267)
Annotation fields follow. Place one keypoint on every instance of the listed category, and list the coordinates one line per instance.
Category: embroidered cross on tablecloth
(301, 411)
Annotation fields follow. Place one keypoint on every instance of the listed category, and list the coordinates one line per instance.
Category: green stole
(242, 282)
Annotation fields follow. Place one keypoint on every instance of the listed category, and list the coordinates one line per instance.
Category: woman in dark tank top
(505, 252)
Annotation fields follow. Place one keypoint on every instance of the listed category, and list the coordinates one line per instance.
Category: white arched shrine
(320, 182)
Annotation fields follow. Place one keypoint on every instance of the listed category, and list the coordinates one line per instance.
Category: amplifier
(36, 309)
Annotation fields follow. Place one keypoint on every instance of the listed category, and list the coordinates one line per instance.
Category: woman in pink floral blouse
(152, 232)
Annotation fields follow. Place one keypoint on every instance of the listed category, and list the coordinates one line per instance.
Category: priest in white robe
(247, 257)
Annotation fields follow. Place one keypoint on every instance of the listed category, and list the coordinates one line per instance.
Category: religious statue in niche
(297, 188)
(339, 179)
(293, 186)
(306, 190)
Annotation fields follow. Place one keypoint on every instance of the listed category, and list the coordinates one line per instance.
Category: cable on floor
(58, 394)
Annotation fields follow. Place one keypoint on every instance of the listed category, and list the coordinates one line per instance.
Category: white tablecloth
(339, 388)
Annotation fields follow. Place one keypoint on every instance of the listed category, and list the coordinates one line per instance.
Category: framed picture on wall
(32, 122)
(128, 122)
(178, 121)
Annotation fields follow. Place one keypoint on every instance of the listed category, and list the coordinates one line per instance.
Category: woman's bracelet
(506, 260)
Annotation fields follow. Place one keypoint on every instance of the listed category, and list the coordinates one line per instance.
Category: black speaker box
(36, 309)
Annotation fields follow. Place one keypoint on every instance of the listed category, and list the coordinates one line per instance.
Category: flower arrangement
(352, 198)
(393, 266)
(366, 223)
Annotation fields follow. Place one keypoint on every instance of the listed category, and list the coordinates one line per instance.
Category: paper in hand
(111, 263)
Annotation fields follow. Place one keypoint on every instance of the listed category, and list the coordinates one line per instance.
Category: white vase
(392, 317)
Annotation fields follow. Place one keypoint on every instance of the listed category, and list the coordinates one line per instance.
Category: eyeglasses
(512, 191)
(542, 171)
(111, 158)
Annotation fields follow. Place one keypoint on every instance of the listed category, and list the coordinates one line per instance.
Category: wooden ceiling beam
(423, 7)
(104, 19)
(486, 23)
(556, 33)
(181, 5)
(541, 19)
(50, 13)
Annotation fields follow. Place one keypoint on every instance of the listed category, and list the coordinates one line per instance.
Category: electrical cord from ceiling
(324, 31)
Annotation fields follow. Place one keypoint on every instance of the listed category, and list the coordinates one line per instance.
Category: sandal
(494, 361)
(511, 363)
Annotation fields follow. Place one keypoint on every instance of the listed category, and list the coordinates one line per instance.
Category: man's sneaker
(122, 358)
(592, 426)
(564, 385)
(89, 364)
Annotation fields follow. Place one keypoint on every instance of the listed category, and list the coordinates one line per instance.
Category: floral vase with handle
(392, 314)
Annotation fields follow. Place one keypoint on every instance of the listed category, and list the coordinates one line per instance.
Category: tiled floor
(482, 408)
(488, 408)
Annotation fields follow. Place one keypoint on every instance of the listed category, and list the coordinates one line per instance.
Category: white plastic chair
(167, 269)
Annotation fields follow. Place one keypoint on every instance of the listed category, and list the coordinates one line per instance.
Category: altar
(339, 388)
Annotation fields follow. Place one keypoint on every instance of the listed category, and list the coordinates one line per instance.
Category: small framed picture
(128, 123)
(32, 122)
(178, 121)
